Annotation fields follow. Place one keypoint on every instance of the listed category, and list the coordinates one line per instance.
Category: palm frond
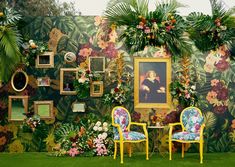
(10, 17)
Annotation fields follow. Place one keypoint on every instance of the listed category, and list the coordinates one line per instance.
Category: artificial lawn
(137, 160)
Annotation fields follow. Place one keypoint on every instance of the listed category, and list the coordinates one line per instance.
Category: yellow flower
(16, 147)
(1, 14)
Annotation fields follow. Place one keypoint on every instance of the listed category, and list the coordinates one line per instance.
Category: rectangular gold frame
(137, 61)
(62, 70)
(51, 57)
(50, 103)
(80, 110)
(103, 67)
(95, 94)
(10, 106)
(43, 79)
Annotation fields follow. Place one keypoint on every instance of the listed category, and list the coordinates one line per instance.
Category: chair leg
(201, 151)
(170, 149)
(121, 151)
(147, 149)
(115, 150)
(182, 150)
(129, 149)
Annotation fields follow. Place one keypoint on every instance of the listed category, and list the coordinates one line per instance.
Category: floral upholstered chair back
(121, 116)
(192, 119)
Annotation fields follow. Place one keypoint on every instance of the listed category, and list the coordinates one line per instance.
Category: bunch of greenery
(161, 27)
(210, 32)
(10, 41)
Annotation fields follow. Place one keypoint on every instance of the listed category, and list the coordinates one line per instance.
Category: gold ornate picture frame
(152, 78)
(67, 77)
(44, 109)
(19, 80)
(97, 89)
(78, 107)
(97, 64)
(17, 106)
(43, 81)
(45, 60)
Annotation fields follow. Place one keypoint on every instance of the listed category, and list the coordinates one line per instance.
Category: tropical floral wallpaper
(90, 133)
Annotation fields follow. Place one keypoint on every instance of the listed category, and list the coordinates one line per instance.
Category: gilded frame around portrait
(70, 90)
(148, 92)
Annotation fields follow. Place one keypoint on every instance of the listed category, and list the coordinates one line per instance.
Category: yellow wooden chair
(121, 120)
(191, 121)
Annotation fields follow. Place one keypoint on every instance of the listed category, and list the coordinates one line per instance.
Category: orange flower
(211, 96)
(233, 124)
(208, 68)
(98, 20)
(214, 82)
(113, 36)
(102, 44)
(1, 14)
(3, 140)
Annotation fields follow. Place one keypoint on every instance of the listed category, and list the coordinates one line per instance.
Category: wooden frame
(152, 77)
(45, 60)
(44, 106)
(97, 64)
(65, 89)
(43, 81)
(19, 81)
(78, 107)
(97, 89)
(12, 115)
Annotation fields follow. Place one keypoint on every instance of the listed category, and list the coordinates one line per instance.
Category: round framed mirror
(19, 80)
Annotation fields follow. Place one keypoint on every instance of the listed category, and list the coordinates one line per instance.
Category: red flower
(222, 65)
(116, 90)
(88, 71)
(222, 94)
(220, 109)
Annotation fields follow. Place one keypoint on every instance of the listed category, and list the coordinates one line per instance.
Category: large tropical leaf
(210, 120)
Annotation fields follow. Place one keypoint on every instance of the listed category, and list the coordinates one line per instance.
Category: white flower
(30, 41)
(105, 124)
(104, 135)
(193, 87)
(100, 136)
(98, 123)
(105, 129)
(95, 128)
(99, 128)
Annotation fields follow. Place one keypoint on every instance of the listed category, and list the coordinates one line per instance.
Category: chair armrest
(144, 125)
(171, 125)
(119, 130)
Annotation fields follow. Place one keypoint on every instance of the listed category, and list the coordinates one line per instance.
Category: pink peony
(73, 152)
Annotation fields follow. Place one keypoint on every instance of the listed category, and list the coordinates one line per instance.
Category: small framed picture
(43, 81)
(97, 89)
(44, 109)
(78, 107)
(97, 64)
(67, 77)
(17, 107)
(45, 60)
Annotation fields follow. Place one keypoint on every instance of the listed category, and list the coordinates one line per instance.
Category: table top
(156, 127)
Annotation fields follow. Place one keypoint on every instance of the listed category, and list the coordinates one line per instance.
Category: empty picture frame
(17, 107)
(78, 107)
(97, 89)
(45, 60)
(97, 64)
(67, 77)
(44, 109)
(43, 81)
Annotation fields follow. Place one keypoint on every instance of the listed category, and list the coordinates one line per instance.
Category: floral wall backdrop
(90, 133)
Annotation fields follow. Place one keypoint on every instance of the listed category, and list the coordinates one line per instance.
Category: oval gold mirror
(19, 80)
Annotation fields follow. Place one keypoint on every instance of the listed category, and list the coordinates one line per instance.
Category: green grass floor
(137, 160)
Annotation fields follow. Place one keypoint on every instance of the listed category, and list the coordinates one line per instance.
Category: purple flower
(222, 94)
(220, 109)
(222, 65)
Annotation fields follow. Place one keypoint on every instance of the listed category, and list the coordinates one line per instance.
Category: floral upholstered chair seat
(121, 121)
(191, 122)
(186, 136)
(130, 136)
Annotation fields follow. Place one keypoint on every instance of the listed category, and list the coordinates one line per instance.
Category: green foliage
(210, 32)
(162, 27)
(10, 40)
